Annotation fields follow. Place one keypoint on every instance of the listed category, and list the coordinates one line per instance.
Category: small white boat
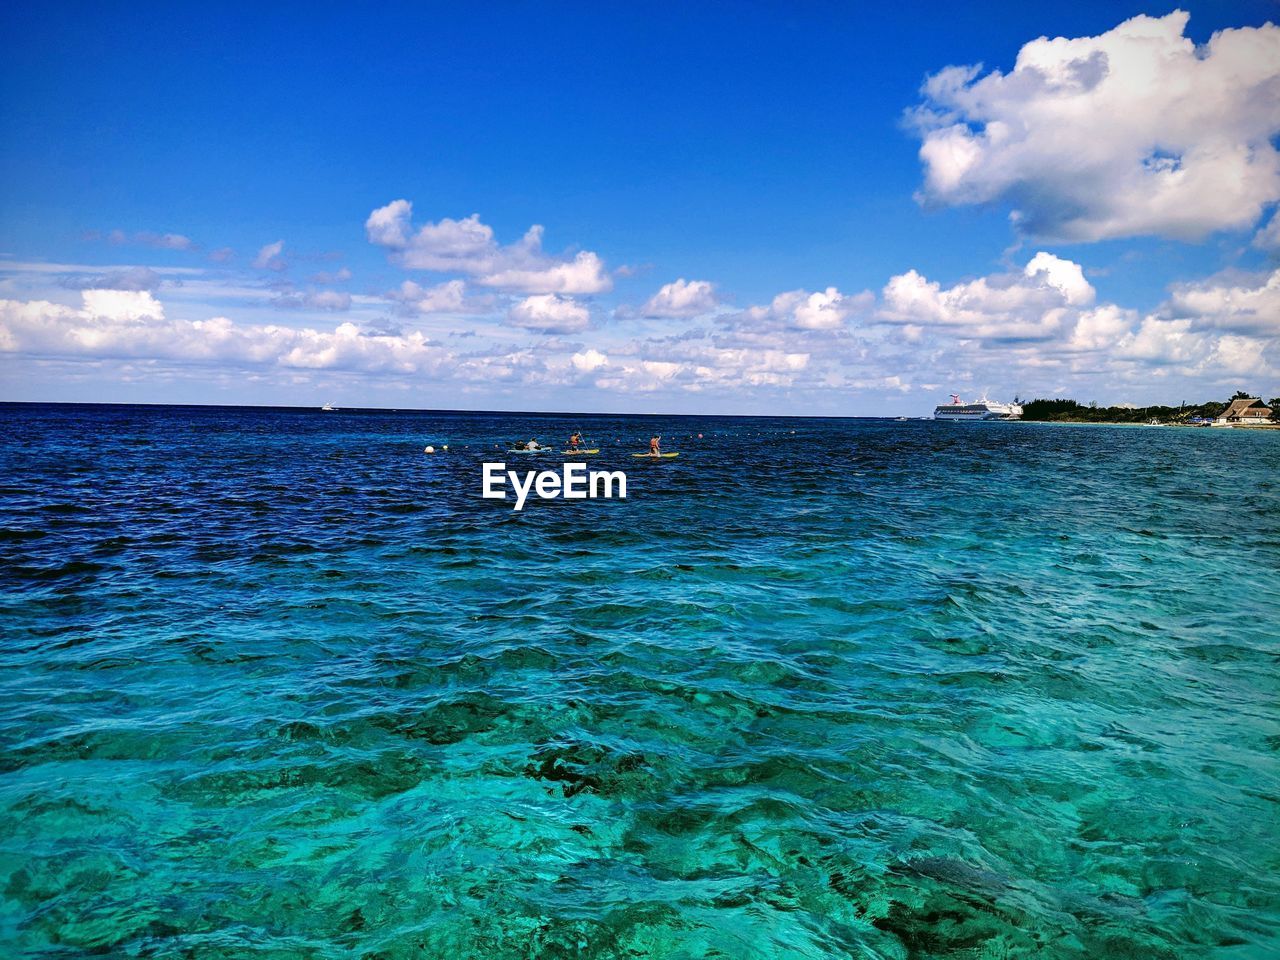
(329, 408)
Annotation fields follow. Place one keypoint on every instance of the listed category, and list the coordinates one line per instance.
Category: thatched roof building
(1246, 410)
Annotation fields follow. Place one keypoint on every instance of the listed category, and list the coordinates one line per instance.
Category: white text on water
(574, 483)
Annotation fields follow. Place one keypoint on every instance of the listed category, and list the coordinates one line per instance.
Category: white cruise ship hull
(977, 411)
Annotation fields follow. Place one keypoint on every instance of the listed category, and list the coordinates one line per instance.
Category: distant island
(1072, 411)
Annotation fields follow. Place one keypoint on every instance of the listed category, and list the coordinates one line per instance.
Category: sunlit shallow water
(276, 684)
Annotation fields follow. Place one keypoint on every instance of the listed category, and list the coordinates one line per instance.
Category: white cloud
(1239, 356)
(822, 310)
(1163, 342)
(550, 313)
(269, 258)
(691, 365)
(127, 305)
(1250, 305)
(447, 297)
(660, 369)
(468, 246)
(1064, 276)
(1036, 329)
(114, 324)
(1031, 305)
(1131, 132)
(465, 245)
(1102, 328)
(588, 360)
(1042, 321)
(681, 299)
(585, 273)
(389, 226)
(1045, 317)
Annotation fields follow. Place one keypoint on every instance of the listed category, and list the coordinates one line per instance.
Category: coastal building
(1244, 411)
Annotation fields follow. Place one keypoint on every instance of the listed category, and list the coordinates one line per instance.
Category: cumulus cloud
(1132, 132)
(389, 226)
(822, 310)
(447, 297)
(1101, 329)
(550, 313)
(585, 273)
(1159, 342)
(683, 364)
(1245, 305)
(115, 324)
(588, 360)
(1241, 356)
(1045, 318)
(681, 299)
(1035, 304)
(468, 246)
(124, 305)
(1062, 275)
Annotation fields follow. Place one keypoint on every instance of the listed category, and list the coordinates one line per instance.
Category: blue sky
(757, 149)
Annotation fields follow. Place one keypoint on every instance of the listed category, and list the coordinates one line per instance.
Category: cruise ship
(982, 410)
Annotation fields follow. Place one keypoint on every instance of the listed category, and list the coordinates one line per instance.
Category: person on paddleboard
(576, 440)
(655, 446)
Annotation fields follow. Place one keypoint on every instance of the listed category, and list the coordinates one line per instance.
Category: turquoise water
(274, 684)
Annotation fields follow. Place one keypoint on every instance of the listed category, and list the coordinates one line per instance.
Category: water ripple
(275, 684)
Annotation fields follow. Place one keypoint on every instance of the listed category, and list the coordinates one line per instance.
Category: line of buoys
(444, 448)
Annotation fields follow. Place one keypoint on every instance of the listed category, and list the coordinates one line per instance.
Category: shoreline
(1193, 426)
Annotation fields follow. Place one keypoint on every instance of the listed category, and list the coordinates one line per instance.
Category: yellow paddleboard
(650, 456)
(574, 453)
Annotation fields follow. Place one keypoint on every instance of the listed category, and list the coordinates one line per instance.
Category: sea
(274, 683)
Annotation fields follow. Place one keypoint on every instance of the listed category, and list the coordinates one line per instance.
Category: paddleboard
(650, 456)
(574, 453)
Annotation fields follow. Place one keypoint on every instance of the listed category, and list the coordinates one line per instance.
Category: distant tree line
(1076, 412)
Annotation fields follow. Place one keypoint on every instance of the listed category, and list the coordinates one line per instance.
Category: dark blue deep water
(274, 684)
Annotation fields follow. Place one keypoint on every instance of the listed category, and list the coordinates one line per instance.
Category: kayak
(650, 456)
(539, 450)
(574, 453)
